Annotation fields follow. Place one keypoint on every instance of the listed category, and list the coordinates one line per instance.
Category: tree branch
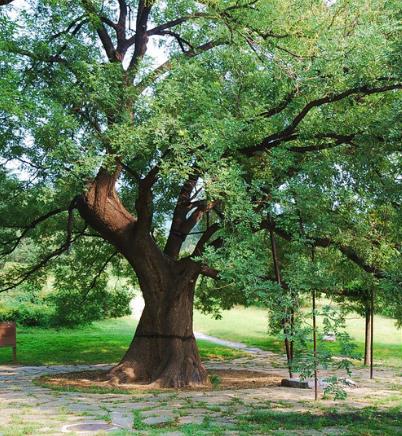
(338, 140)
(183, 206)
(98, 274)
(286, 133)
(29, 227)
(144, 202)
(280, 107)
(25, 275)
(69, 28)
(166, 66)
(168, 25)
(104, 36)
(202, 242)
(346, 250)
(141, 35)
(209, 272)
(181, 41)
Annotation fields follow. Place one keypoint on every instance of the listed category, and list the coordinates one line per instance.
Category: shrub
(43, 306)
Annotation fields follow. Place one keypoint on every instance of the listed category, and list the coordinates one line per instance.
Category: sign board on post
(8, 337)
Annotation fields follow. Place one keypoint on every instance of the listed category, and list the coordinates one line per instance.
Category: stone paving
(26, 408)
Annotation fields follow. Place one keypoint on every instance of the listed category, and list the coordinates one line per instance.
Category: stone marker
(349, 382)
(294, 383)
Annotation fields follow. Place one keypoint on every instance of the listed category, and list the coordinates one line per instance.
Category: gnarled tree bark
(164, 352)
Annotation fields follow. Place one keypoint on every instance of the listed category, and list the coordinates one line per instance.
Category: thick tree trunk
(164, 352)
(367, 337)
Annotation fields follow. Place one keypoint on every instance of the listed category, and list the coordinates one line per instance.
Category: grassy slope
(249, 325)
(103, 342)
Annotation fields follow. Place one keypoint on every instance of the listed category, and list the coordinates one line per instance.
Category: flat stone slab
(158, 420)
(87, 427)
(197, 419)
(295, 383)
(122, 420)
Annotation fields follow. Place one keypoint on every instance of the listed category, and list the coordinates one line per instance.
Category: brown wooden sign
(8, 337)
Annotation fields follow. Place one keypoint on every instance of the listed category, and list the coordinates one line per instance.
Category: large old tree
(179, 130)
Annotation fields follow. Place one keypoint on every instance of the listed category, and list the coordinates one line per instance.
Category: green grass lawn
(106, 341)
(366, 422)
(249, 325)
(102, 342)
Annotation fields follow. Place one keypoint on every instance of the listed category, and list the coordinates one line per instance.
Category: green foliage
(306, 362)
(56, 305)
(215, 380)
(334, 180)
(27, 314)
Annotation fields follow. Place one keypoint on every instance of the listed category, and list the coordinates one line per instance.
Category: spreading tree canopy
(165, 139)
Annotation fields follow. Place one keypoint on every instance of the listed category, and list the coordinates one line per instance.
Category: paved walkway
(29, 409)
(232, 344)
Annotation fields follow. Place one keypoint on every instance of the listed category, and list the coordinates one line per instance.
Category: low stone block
(294, 383)
(349, 382)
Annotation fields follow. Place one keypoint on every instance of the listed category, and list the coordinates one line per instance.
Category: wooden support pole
(288, 346)
(367, 335)
(315, 349)
(372, 334)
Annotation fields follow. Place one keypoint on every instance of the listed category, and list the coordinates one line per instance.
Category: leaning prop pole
(371, 334)
(288, 346)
